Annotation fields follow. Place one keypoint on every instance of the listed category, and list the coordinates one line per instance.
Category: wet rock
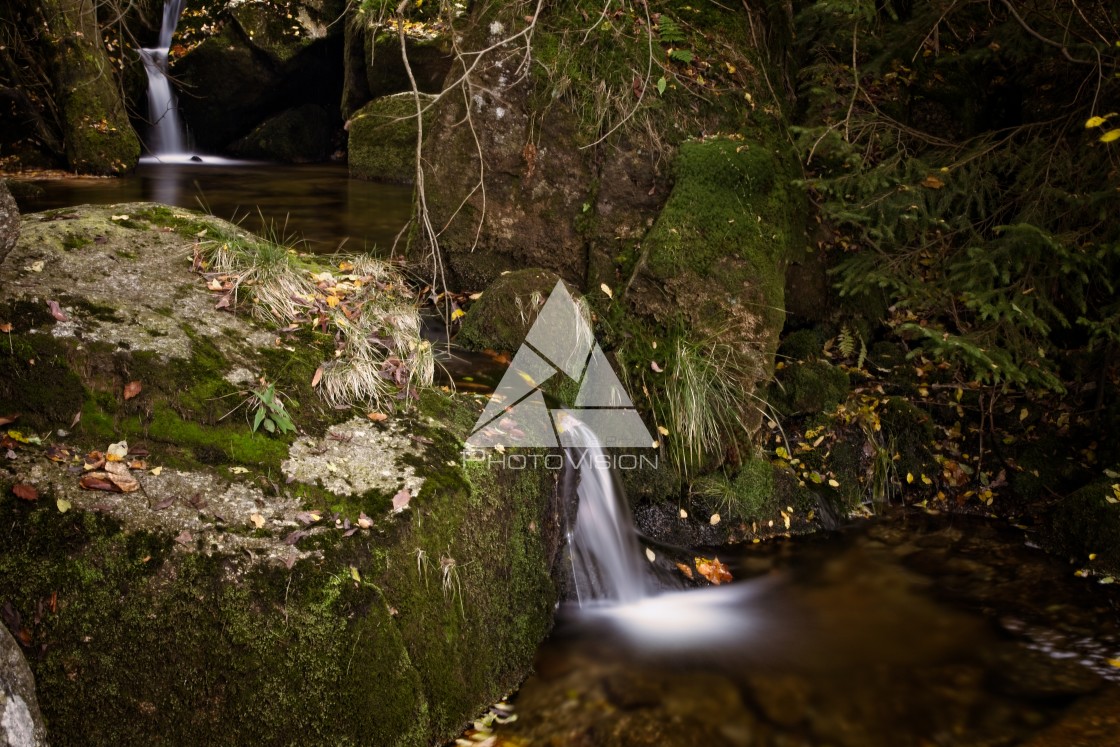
(21, 724)
(304, 134)
(9, 221)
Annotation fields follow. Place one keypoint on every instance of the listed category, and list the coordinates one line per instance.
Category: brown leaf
(6, 419)
(58, 453)
(377, 417)
(686, 570)
(77, 419)
(25, 492)
(98, 481)
(317, 377)
(121, 477)
(713, 570)
(131, 389)
(224, 301)
(932, 182)
(6, 327)
(401, 499)
(184, 537)
(165, 503)
(56, 311)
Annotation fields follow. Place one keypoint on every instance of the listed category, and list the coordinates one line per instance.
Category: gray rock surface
(21, 725)
(9, 221)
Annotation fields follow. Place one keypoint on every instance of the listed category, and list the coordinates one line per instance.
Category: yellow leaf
(346, 266)
(650, 556)
(457, 314)
(1111, 135)
(926, 480)
(1023, 414)
(157, 470)
(1092, 122)
(355, 575)
(909, 478)
(663, 430)
(1114, 663)
(714, 520)
(63, 505)
(332, 301)
(258, 520)
(833, 483)
(606, 289)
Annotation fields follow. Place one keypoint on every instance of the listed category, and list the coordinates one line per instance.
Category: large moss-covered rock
(304, 134)
(382, 140)
(256, 586)
(1086, 524)
(9, 221)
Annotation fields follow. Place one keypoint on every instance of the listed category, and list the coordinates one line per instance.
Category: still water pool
(317, 202)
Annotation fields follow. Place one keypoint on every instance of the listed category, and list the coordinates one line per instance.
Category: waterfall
(167, 135)
(607, 561)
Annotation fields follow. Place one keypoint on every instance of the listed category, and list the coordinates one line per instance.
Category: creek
(911, 629)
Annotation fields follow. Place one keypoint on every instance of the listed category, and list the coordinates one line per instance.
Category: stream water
(909, 630)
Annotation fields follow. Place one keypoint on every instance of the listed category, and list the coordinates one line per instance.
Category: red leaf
(131, 389)
(56, 311)
(713, 570)
(25, 492)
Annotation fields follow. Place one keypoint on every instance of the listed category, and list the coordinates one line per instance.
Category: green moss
(802, 345)
(73, 241)
(38, 381)
(748, 496)
(382, 144)
(1086, 523)
(731, 201)
(809, 388)
(502, 317)
(180, 221)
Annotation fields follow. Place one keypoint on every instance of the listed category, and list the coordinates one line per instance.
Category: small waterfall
(167, 135)
(607, 561)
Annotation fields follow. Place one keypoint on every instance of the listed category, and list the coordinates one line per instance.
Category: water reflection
(317, 202)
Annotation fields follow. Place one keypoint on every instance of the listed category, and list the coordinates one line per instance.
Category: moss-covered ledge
(249, 591)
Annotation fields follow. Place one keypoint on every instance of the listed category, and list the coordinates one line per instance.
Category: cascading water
(607, 562)
(167, 136)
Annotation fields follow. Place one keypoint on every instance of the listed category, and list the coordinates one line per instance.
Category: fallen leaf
(650, 555)
(713, 570)
(401, 499)
(165, 503)
(377, 417)
(156, 471)
(36, 266)
(239, 470)
(77, 419)
(116, 452)
(354, 574)
(56, 311)
(307, 517)
(932, 182)
(25, 492)
(656, 368)
(686, 570)
(317, 377)
(57, 453)
(258, 521)
(6, 419)
(63, 505)
(6, 327)
(184, 537)
(714, 520)
(364, 521)
(683, 514)
(131, 389)
(98, 481)
(663, 430)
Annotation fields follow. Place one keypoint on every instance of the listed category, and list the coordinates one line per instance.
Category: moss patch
(382, 143)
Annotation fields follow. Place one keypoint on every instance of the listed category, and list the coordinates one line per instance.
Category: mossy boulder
(305, 134)
(256, 586)
(429, 57)
(502, 317)
(809, 388)
(9, 220)
(382, 141)
(1086, 524)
